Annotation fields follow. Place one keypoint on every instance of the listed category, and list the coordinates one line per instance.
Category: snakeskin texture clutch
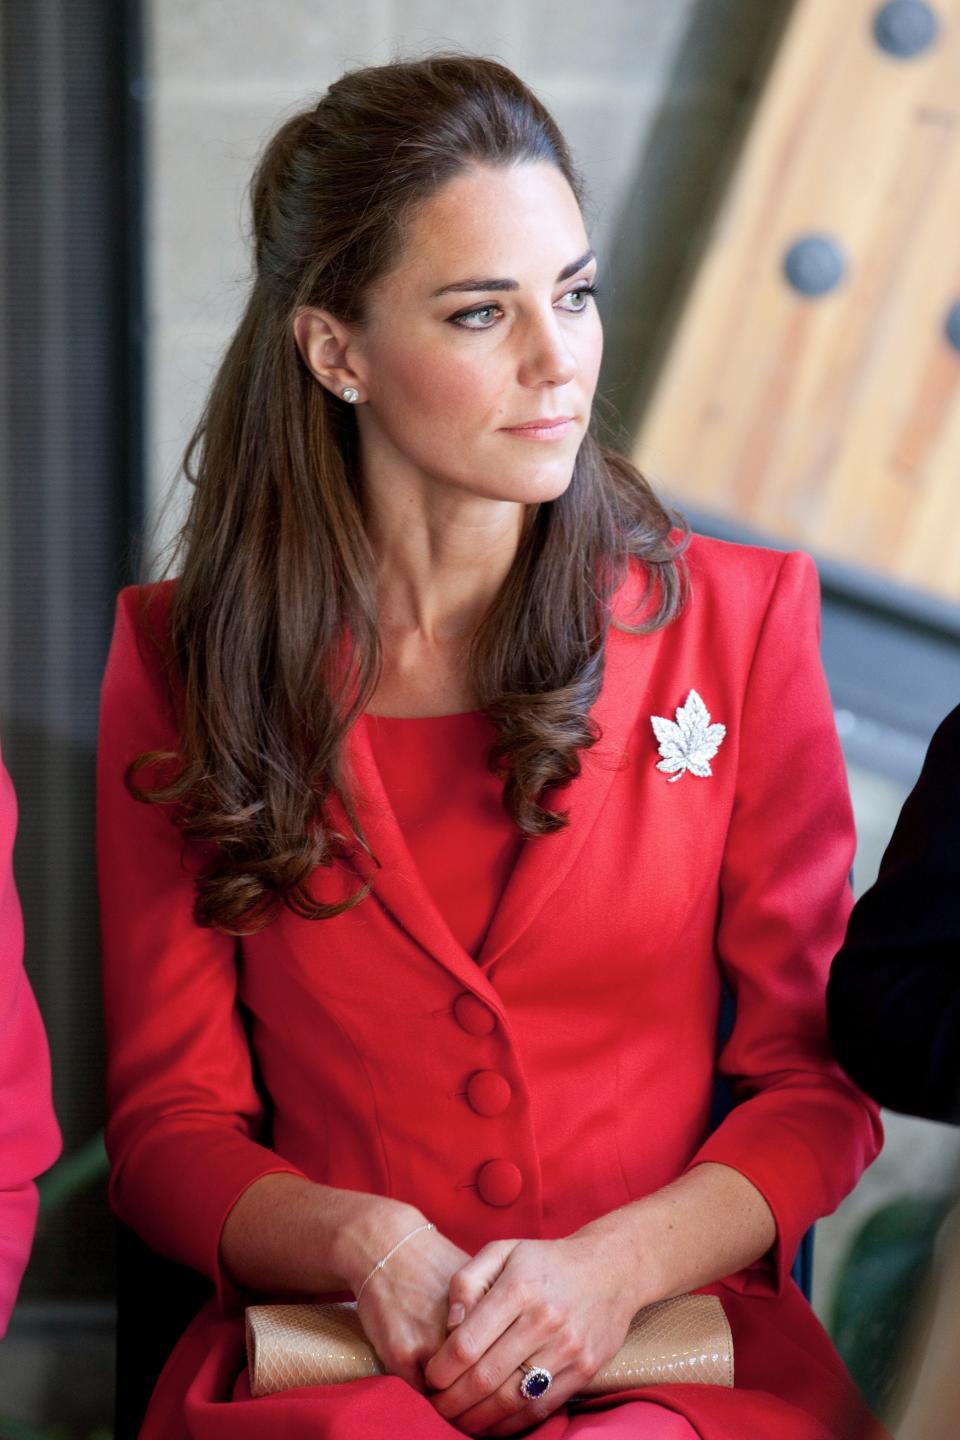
(684, 1341)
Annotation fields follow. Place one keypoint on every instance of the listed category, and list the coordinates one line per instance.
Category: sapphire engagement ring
(536, 1381)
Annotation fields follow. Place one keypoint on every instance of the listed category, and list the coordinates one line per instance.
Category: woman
(400, 705)
(29, 1133)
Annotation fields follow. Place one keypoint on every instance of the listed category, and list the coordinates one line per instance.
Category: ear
(329, 350)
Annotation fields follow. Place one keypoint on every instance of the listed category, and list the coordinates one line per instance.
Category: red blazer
(594, 996)
(29, 1134)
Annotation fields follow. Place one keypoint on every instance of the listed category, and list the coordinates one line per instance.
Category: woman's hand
(287, 1235)
(403, 1308)
(562, 1304)
(567, 1304)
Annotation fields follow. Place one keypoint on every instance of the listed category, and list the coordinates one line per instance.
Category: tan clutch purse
(683, 1341)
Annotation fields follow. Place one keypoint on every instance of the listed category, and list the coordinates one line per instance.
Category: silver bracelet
(380, 1263)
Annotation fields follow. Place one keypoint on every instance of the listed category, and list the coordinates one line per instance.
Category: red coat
(594, 996)
(29, 1133)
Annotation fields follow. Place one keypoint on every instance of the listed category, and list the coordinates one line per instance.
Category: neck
(442, 556)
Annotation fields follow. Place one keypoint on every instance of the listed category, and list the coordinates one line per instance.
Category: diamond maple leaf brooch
(690, 742)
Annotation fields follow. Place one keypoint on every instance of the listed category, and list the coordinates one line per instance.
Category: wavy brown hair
(272, 630)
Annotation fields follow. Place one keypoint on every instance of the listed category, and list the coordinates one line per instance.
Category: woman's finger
(492, 1314)
(494, 1369)
(506, 1409)
(472, 1281)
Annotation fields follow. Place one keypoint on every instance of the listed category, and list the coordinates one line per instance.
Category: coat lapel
(543, 863)
(397, 882)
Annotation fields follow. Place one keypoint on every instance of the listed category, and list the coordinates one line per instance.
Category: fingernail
(457, 1312)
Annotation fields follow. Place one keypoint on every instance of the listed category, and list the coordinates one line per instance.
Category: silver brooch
(690, 742)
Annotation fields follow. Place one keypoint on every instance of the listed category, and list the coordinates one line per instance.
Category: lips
(549, 422)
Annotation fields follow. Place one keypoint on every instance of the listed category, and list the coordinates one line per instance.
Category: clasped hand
(560, 1304)
(554, 1303)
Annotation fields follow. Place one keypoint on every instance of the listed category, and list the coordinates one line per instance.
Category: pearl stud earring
(350, 394)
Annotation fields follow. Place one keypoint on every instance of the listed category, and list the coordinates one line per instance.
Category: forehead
(512, 222)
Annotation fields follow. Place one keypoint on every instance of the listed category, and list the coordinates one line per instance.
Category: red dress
(449, 806)
(591, 995)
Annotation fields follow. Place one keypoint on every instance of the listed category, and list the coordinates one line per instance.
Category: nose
(546, 356)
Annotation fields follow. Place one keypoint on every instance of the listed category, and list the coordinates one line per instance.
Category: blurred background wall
(129, 132)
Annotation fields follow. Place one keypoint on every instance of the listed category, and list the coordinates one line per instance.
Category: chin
(544, 482)
(538, 492)
(525, 489)
(530, 483)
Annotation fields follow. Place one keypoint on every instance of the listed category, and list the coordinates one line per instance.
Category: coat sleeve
(893, 1000)
(800, 1131)
(29, 1133)
(183, 1110)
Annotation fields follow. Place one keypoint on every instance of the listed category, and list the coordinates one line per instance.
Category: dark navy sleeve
(894, 993)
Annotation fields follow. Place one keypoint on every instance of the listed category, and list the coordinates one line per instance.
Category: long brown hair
(273, 621)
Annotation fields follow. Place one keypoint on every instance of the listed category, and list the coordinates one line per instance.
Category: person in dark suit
(893, 1008)
(893, 998)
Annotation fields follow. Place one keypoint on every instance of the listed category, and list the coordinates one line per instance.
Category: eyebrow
(565, 274)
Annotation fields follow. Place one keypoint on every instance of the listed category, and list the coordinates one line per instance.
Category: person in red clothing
(438, 794)
(29, 1134)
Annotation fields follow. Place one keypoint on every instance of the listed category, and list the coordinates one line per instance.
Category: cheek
(438, 385)
(591, 352)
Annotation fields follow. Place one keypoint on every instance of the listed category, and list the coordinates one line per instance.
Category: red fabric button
(488, 1093)
(472, 1015)
(499, 1182)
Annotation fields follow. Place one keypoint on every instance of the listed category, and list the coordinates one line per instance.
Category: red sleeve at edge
(802, 1132)
(29, 1133)
(183, 1109)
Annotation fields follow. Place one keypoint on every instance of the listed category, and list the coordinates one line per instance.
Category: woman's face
(486, 323)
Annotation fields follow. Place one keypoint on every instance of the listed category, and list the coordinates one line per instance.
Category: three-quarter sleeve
(29, 1133)
(183, 1108)
(801, 1131)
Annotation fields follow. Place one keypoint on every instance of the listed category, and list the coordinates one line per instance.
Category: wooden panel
(831, 422)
